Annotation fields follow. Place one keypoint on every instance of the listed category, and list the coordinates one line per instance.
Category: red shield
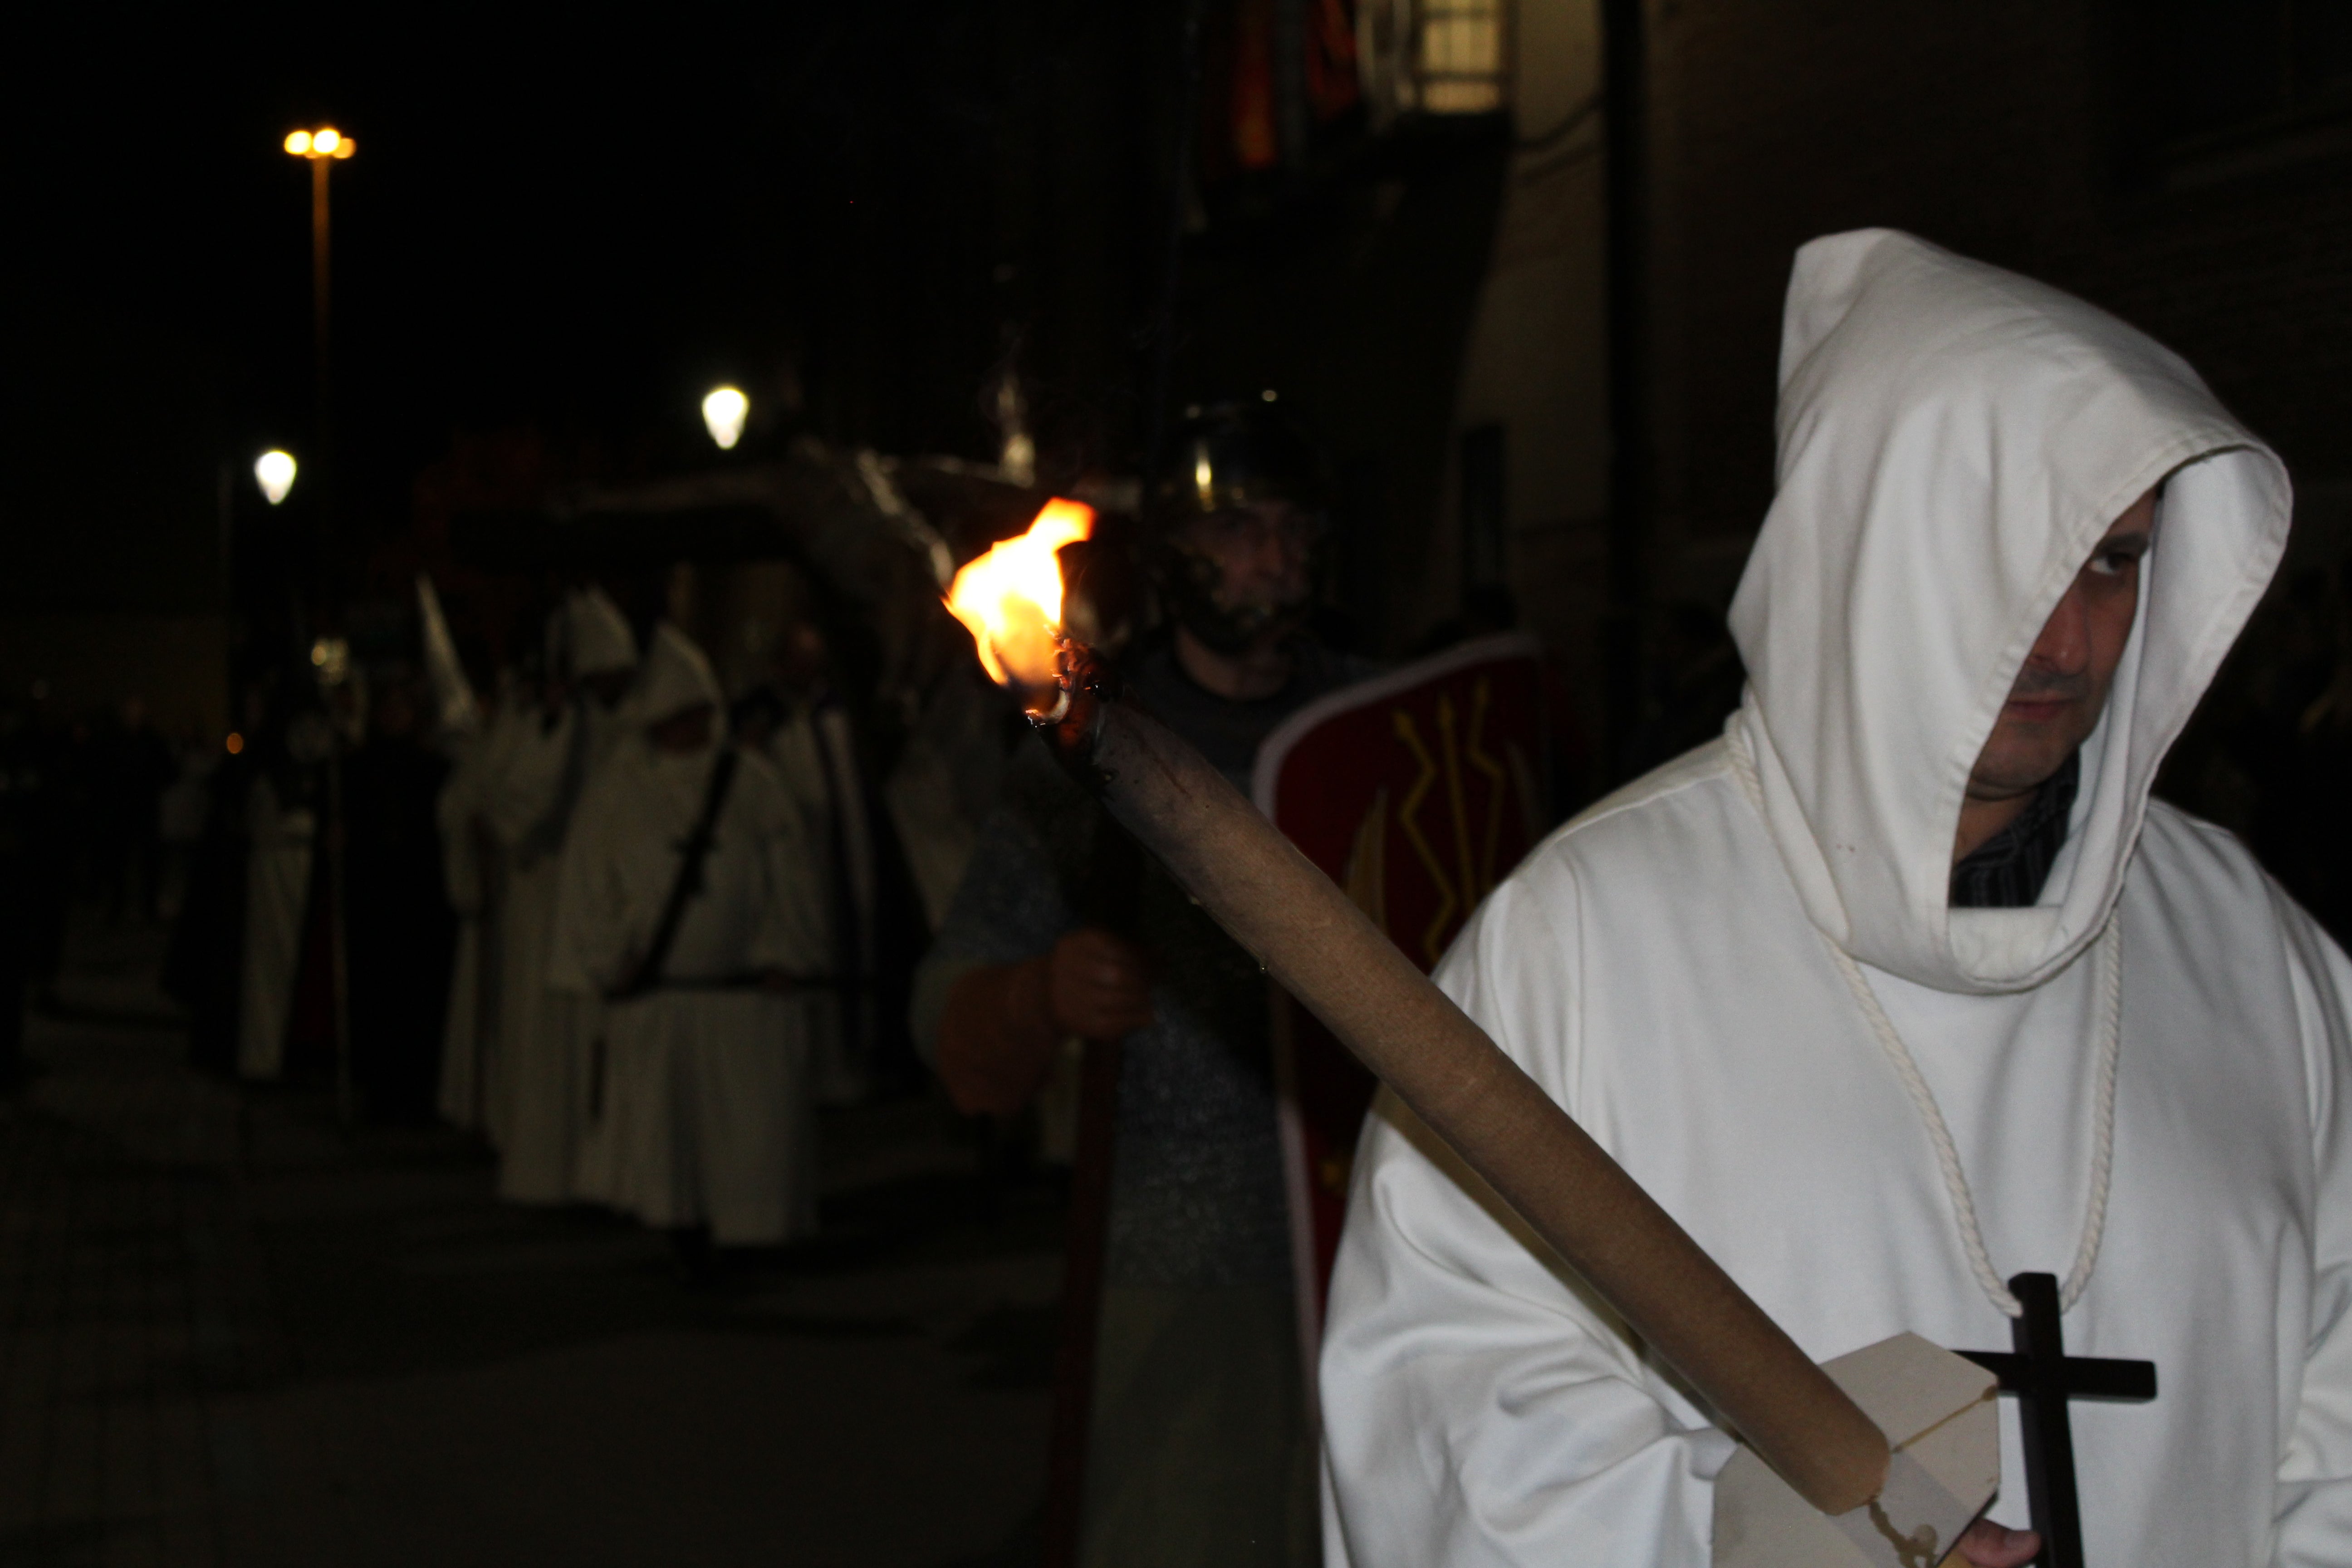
(1416, 792)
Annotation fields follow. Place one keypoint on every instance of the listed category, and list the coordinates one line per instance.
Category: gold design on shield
(1409, 818)
(1479, 698)
(1475, 875)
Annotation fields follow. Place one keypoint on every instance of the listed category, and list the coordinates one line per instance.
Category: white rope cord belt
(1931, 1115)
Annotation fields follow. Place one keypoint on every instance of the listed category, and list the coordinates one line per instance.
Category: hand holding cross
(2044, 1377)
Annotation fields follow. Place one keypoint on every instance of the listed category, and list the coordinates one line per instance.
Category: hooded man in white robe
(474, 867)
(541, 764)
(1719, 970)
(282, 826)
(705, 1126)
(473, 740)
(809, 742)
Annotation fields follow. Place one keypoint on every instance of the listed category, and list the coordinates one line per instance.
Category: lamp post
(324, 147)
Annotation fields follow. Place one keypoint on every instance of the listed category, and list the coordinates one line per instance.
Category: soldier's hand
(1098, 986)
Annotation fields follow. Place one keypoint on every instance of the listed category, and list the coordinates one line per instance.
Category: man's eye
(2114, 563)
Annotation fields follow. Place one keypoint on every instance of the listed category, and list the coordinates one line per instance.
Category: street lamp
(324, 147)
(723, 411)
(273, 472)
(324, 142)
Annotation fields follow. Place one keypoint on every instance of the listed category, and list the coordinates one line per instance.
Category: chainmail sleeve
(1197, 1197)
(1016, 899)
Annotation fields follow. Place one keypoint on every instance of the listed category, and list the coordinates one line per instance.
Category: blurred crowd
(595, 910)
(102, 802)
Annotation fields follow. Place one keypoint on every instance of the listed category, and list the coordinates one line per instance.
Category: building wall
(2032, 134)
(2028, 133)
(1353, 304)
(1536, 362)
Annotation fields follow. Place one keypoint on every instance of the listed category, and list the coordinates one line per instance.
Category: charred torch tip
(1045, 718)
(1078, 668)
(1084, 681)
(1049, 705)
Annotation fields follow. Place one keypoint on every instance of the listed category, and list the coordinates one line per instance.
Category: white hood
(1953, 440)
(455, 709)
(676, 678)
(597, 632)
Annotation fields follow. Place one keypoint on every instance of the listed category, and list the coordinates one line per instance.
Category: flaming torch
(1010, 598)
(1313, 941)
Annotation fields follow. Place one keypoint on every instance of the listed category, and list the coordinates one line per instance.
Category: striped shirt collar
(2007, 870)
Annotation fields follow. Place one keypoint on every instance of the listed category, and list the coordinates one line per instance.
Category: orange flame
(1010, 598)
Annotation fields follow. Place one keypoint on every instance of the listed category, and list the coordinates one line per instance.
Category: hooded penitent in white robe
(471, 740)
(814, 755)
(1952, 441)
(473, 872)
(542, 1085)
(277, 903)
(704, 1115)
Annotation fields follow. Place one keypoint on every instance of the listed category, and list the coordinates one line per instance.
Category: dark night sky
(575, 220)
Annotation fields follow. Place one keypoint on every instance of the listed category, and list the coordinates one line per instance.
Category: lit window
(1461, 64)
(1433, 57)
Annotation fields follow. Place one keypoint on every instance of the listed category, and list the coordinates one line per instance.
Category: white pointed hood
(1953, 441)
(676, 678)
(455, 709)
(598, 634)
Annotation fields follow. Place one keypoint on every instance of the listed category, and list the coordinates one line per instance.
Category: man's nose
(2064, 645)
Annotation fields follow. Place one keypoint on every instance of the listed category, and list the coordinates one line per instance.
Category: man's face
(1264, 553)
(2063, 688)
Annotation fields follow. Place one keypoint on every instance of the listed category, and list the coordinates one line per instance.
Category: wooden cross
(2044, 1377)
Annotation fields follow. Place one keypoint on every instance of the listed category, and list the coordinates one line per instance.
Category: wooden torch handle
(1319, 946)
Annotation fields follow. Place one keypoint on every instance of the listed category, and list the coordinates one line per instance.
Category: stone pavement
(232, 1334)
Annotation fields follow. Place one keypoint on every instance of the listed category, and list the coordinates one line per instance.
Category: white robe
(546, 1035)
(705, 1115)
(277, 903)
(474, 874)
(822, 778)
(1663, 967)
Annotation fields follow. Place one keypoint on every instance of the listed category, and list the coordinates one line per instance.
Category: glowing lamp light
(273, 472)
(1010, 598)
(324, 142)
(332, 657)
(723, 412)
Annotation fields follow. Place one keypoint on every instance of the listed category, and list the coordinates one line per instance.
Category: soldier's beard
(1222, 624)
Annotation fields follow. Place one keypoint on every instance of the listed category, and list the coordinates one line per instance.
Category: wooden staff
(1316, 944)
(1114, 878)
